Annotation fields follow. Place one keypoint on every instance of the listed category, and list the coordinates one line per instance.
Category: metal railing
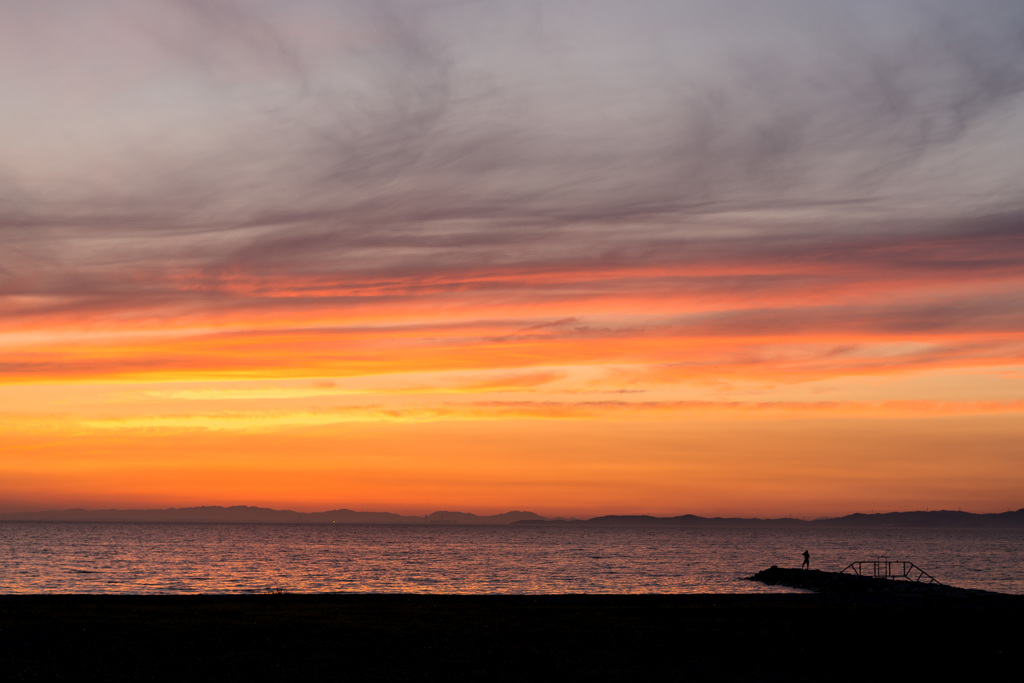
(884, 568)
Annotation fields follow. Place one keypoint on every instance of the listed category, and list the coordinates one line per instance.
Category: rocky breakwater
(853, 585)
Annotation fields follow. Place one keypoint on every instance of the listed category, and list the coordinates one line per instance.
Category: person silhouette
(807, 561)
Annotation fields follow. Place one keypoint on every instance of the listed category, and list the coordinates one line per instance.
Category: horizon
(566, 256)
(485, 513)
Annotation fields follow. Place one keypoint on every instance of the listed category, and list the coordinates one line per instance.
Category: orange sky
(635, 397)
(325, 255)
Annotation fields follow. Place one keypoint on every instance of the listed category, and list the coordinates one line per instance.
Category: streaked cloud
(407, 203)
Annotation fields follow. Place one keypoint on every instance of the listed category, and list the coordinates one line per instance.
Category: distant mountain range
(245, 513)
(947, 519)
(939, 519)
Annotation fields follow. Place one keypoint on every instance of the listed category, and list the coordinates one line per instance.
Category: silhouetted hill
(690, 521)
(680, 521)
(205, 513)
(446, 517)
(945, 519)
(245, 513)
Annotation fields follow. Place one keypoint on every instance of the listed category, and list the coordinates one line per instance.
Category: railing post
(881, 567)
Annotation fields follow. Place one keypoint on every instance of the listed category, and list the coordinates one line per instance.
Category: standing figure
(807, 561)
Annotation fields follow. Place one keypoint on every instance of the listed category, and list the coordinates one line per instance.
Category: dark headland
(770, 637)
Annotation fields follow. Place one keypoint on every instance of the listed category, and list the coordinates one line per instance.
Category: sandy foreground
(779, 637)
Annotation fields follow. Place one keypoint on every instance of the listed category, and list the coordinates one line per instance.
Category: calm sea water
(44, 557)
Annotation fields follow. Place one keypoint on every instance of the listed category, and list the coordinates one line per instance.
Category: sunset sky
(758, 258)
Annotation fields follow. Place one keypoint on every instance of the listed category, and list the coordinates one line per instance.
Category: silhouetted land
(869, 587)
(940, 519)
(946, 519)
(807, 637)
(248, 514)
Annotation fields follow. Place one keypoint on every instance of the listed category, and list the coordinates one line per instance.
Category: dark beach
(768, 637)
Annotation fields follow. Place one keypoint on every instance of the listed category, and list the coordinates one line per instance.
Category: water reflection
(254, 558)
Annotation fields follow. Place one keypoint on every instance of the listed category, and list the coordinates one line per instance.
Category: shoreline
(396, 637)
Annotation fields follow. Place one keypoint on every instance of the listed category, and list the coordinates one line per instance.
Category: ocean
(176, 558)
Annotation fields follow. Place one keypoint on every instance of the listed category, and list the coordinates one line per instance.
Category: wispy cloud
(414, 203)
(390, 134)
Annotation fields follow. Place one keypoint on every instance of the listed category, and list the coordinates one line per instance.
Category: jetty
(881, 577)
